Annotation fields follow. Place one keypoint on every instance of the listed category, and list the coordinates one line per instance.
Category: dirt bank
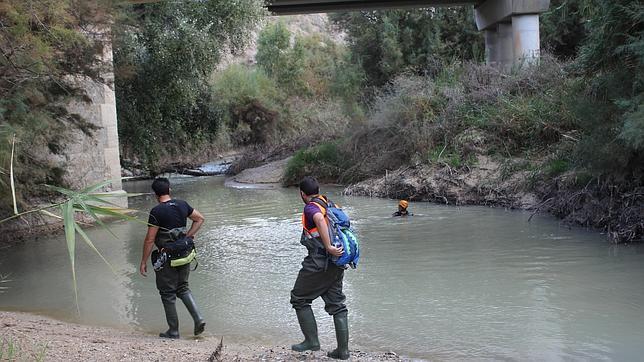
(608, 205)
(270, 173)
(40, 338)
(482, 184)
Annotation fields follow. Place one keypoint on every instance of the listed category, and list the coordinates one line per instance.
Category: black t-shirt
(170, 214)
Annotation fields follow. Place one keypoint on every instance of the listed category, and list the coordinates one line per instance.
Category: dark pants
(173, 282)
(311, 284)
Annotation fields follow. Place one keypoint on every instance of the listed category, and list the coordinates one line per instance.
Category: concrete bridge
(511, 30)
(511, 26)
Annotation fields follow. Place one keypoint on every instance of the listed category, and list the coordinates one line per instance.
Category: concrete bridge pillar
(491, 46)
(93, 157)
(511, 30)
(506, 49)
(525, 33)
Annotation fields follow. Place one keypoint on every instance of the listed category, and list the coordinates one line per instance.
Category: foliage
(452, 157)
(45, 47)
(449, 118)
(612, 59)
(299, 84)
(592, 110)
(387, 43)
(326, 161)
(313, 65)
(563, 28)
(250, 101)
(279, 59)
(164, 58)
(557, 166)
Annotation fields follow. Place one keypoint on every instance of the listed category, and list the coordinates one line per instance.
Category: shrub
(250, 101)
(557, 166)
(325, 161)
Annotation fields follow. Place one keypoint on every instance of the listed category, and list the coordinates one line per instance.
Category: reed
(91, 202)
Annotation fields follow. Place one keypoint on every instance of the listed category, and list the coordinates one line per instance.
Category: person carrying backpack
(319, 276)
(167, 229)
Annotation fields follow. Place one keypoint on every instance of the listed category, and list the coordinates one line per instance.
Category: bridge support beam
(525, 35)
(93, 158)
(506, 50)
(511, 30)
(491, 46)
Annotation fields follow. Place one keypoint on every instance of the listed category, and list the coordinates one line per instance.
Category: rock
(126, 173)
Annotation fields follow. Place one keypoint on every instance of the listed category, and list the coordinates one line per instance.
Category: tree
(563, 28)
(45, 46)
(387, 43)
(165, 56)
(279, 59)
(612, 59)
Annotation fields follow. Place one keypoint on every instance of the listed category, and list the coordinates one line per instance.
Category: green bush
(251, 103)
(557, 166)
(325, 161)
(240, 85)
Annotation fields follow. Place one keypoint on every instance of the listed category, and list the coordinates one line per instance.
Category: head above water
(403, 204)
(161, 186)
(309, 187)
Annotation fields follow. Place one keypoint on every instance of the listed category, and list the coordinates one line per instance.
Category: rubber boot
(342, 335)
(309, 327)
(191, 305)
(173, 321)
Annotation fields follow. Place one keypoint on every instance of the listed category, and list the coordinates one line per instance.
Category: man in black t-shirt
(167, 221)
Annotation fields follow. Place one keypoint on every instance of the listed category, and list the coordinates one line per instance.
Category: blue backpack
(342, 234)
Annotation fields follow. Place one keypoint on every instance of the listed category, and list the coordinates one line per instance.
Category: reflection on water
(448, 284)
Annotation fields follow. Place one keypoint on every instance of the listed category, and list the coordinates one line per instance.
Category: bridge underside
(286, 7)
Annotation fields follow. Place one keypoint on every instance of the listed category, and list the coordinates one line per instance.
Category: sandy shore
(35, 336)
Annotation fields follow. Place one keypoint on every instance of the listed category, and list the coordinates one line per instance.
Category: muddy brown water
(450, 283)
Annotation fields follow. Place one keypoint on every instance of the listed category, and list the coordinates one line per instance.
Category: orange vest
(313, 232)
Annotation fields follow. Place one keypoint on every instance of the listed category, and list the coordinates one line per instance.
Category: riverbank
(40, 338)
(607, 205)
(479, 184)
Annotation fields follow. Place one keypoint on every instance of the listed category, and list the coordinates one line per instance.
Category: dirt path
(36, 338)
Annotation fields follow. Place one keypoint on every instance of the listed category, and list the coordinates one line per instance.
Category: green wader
(172, 282)
(318, 278)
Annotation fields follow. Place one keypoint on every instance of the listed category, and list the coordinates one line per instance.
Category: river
(451, 283)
